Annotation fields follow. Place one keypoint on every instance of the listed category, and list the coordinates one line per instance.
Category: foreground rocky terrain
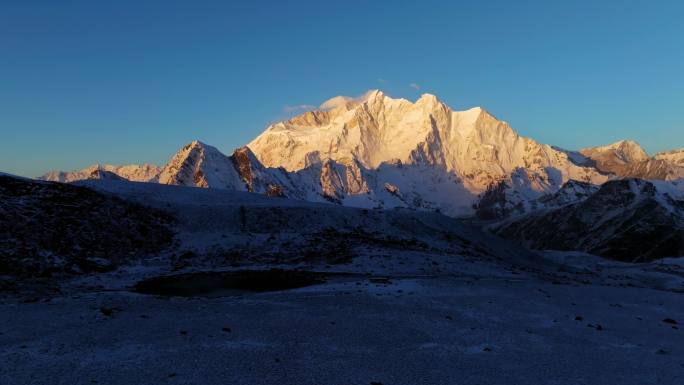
(269, 290)
(459, 326)
(53, 228)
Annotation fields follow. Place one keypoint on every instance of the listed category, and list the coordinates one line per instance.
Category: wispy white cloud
(381, 80)
(297, 108)
(415, 86)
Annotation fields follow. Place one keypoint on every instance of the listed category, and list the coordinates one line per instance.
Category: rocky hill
(54, 228)
(628, 220)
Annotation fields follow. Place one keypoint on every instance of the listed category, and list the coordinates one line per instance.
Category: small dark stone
(599, 327)
(579, 318)
(172, 375)
(670, 321)
(183, 332)
(449, 318)
(227, 330)
(107, 311)
(487, 349)
(381, 280)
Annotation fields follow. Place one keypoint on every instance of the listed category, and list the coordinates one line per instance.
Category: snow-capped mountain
(499, 201)
(629, 219)
(433, 155)
(132, 172)
(627, 159)
(377, 129)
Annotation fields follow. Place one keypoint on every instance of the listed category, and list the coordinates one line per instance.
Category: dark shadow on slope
(391, 184)
(227, 283)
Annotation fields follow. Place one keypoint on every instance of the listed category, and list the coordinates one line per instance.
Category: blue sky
(131, 81)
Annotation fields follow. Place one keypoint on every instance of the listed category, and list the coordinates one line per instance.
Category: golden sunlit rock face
(628, 160)
(375, 129)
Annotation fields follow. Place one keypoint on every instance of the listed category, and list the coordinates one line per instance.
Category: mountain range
(375, 151)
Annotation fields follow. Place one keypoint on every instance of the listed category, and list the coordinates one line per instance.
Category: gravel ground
(439, 330)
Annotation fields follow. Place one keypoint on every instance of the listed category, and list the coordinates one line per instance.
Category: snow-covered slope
(220, 224)
(572, 191)
(132, 172)
(499, 201)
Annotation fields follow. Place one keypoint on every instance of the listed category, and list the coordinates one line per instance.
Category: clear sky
(132, 81)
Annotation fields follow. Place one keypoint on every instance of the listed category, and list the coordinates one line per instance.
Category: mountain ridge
(134, 172)
(375, 151)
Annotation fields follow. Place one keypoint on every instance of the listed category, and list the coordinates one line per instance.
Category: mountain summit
(624, 152)
(627, 159)
(201, 165)
(472, 145)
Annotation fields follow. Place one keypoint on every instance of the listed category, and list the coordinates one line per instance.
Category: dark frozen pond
(227, 283)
